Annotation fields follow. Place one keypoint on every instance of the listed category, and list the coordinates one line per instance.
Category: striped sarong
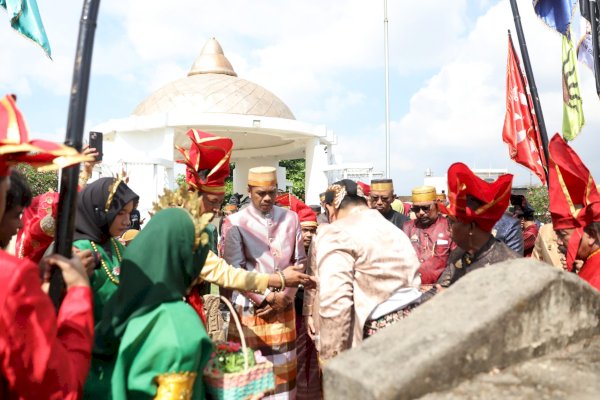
(275, 337)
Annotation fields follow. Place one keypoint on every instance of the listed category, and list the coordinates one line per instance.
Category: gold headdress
(189, 201)
(112, 189)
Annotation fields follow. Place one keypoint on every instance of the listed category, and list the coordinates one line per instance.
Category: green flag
(25, 18)
(573, 119)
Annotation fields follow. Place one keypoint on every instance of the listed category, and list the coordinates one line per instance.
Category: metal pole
(65, 221)
(529, 72)
(387, 91)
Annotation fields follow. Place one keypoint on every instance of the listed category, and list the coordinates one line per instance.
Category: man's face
(307, 235)
(4, 186)
(211, 203)
(459, 231)
(563, 236)
(381, 200)
(426, 213)
(263, 197)
(10, 225)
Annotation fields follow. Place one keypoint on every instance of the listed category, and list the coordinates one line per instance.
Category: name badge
(441, 242)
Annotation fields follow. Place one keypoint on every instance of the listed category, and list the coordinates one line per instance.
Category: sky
(325, 60)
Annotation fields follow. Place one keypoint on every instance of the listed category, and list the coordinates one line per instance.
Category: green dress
(103, 289)
(155, 339)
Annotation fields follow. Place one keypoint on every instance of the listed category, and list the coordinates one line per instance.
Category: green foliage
(40, 182)
(180, 180)
(537, 196)
(295, 173)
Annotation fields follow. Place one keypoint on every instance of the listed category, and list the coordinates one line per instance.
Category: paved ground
(572, 373)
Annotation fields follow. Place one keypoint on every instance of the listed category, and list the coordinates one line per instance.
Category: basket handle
(238, 325)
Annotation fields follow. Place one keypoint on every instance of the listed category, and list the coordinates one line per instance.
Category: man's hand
(87, 259)
(72, 270)
(88, 166)
(281, 302)
(265, 312)
(295, 276)
(310, 326)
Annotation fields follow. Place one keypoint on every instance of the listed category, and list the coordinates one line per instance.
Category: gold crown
(112, 189)
(191, 202)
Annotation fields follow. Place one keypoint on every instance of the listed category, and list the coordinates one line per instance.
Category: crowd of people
(307, 282)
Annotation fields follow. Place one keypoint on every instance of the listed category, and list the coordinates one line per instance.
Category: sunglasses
(376, 199)
(416, 209)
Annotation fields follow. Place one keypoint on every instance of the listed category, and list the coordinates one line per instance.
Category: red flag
(521, 130)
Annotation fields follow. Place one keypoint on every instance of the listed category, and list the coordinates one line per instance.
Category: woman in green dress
(161, 341)
(102, 216)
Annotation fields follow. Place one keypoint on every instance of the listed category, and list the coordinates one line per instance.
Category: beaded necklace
(113, 277)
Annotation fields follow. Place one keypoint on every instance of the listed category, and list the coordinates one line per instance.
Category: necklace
(113, 277)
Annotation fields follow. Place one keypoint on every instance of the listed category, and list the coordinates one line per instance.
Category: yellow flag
(573, 119)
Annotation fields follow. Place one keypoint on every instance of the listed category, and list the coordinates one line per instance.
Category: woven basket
(239, 385)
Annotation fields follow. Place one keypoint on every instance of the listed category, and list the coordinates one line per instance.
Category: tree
(40, 182)
(295, 172)
(537, 196)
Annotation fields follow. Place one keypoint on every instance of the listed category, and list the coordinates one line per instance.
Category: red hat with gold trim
(306, 215)
(574, 197)
(16, 147)
(207, 161)
(493, 196)
(366, 188)
(39, 225)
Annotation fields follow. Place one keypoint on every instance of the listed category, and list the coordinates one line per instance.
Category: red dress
(42, 356)
(432, 245)
(590, 272)
(529, 235)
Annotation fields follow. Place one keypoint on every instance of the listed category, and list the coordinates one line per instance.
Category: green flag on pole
(25, 18)
(573, 119)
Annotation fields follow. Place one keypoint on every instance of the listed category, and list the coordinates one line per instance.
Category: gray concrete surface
(491, 319)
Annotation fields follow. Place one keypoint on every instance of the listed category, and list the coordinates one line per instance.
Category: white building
(212, 98)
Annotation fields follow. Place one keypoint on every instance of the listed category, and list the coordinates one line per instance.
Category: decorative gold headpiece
(189, 201)
(112, 189)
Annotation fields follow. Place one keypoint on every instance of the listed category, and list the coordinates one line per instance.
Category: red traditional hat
(366, 188)
(207, 161)
(16, 147)
(574, 198)
(495, 196)
(39, 224)
(306, 215)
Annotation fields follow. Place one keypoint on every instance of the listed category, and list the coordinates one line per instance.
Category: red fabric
(207, 161)
(195, 300)
(32, 241)
(306, 215)
(521, 130)
(529, 235)
(42, 356)
(495, 196)
(366, 188)
(590, 272)
(432, 245)
(574, 198)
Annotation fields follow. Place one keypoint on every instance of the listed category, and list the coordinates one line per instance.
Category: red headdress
(207, 161)
(574, 198)
(495, 197)
(39, 224)
(366, 188)
(16, 147)
(306, 215)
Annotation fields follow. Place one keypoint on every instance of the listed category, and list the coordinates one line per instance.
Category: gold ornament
(175, 386)
(191, 202)
(112, 189)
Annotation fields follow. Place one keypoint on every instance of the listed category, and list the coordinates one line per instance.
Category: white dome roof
(212, 86)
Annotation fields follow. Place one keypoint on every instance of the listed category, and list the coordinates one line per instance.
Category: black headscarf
(93, 220)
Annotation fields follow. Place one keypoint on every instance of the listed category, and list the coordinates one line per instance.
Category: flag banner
(585, 51)
(521, 130)
(556, 14)
(573, 119)
(25, 18)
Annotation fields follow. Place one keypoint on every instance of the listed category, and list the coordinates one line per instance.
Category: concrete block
(492, 318)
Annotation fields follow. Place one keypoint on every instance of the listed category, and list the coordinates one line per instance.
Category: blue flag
(555, 13)
(25, 18)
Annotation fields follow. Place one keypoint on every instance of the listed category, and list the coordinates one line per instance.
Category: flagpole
(532, 87)
(387, 91)
(65, 221)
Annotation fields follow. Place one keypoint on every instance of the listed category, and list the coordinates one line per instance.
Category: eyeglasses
(416, 209)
